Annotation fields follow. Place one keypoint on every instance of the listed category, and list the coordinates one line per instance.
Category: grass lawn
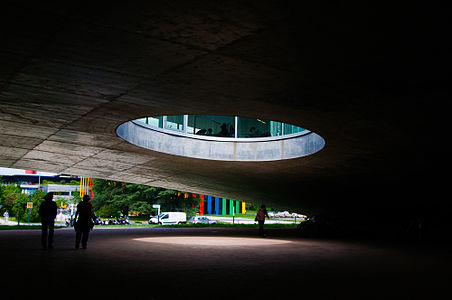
(222, 225)
(16, 227)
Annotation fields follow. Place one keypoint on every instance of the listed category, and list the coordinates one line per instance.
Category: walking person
(260, 218)
(48, 212)
(84, 223)
(6, 216)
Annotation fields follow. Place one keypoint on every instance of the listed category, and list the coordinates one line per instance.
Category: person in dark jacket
(48, 212)
(260, 218)
(84, 223)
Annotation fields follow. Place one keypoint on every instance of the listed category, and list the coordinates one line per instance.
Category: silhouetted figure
(231, 131)
(260, 218)
(48, 212)
(201, 132)
(84, 223)
(224, 130)
(252, 132)
(209, 131)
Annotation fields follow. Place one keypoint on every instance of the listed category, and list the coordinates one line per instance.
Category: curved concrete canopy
(369, 79)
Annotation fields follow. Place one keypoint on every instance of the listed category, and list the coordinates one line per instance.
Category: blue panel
(217, 205)
(209, 205)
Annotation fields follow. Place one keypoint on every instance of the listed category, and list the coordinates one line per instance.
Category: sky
(9, 171)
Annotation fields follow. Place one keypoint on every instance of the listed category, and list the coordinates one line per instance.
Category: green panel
(289, 129)
(237, 207)
(223, 209)
(231, 205)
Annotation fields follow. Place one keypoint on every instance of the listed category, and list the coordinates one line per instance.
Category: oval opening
(229, 138)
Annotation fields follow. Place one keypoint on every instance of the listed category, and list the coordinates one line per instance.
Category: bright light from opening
(213, 241)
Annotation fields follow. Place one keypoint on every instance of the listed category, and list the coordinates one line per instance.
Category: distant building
(63, 191)
(29, 181)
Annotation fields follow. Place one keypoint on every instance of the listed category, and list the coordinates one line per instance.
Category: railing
(184, 132)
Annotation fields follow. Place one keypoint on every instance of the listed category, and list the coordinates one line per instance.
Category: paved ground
(223, 263)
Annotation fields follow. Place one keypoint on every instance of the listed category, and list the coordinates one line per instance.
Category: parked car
(201, 220)
(285, 214)
(169, 218)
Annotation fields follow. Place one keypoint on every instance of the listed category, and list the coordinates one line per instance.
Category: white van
(169, 218)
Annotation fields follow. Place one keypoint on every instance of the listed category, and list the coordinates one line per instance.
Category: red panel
(201, 206)
(30, 172)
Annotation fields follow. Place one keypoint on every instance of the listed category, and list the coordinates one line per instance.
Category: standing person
(6, 216)
(48, 212)
(260, 218)
(84, 223)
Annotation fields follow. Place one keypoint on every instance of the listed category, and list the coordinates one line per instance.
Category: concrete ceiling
(369, 79)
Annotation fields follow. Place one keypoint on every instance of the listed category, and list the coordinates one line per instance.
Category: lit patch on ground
(213, 241)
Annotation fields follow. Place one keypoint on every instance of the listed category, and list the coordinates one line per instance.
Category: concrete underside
(218, 264)
(371, 80)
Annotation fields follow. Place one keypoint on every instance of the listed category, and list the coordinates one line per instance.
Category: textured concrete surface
(369, 79)
(218, 264)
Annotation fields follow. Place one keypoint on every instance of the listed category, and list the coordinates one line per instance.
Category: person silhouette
(84, 223)
(47, 212)
(224, 130)
(252, 132)
(201, 132)
(260, 218)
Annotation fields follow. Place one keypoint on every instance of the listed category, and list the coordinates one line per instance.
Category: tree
(108, 210)
(122, 196)
(9, 194)
(20, 206)
(115, 196)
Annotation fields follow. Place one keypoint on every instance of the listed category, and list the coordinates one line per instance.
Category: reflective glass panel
(288, 129)
(275, 128)
(250, 128)
(222, 126)
(155, 121)
(175, 122)
(142, 120)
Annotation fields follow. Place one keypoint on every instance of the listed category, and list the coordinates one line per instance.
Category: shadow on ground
(218, 263)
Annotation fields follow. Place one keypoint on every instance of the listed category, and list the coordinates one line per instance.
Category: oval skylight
(229, 138)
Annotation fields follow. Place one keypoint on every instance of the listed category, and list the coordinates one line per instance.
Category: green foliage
(60, 201)
(123, 197)
(111, 197)
(142, 206)
(108, 210)
(20, 206)
(9, 194)
(252, 207)
(75, 198)
(16, 203)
